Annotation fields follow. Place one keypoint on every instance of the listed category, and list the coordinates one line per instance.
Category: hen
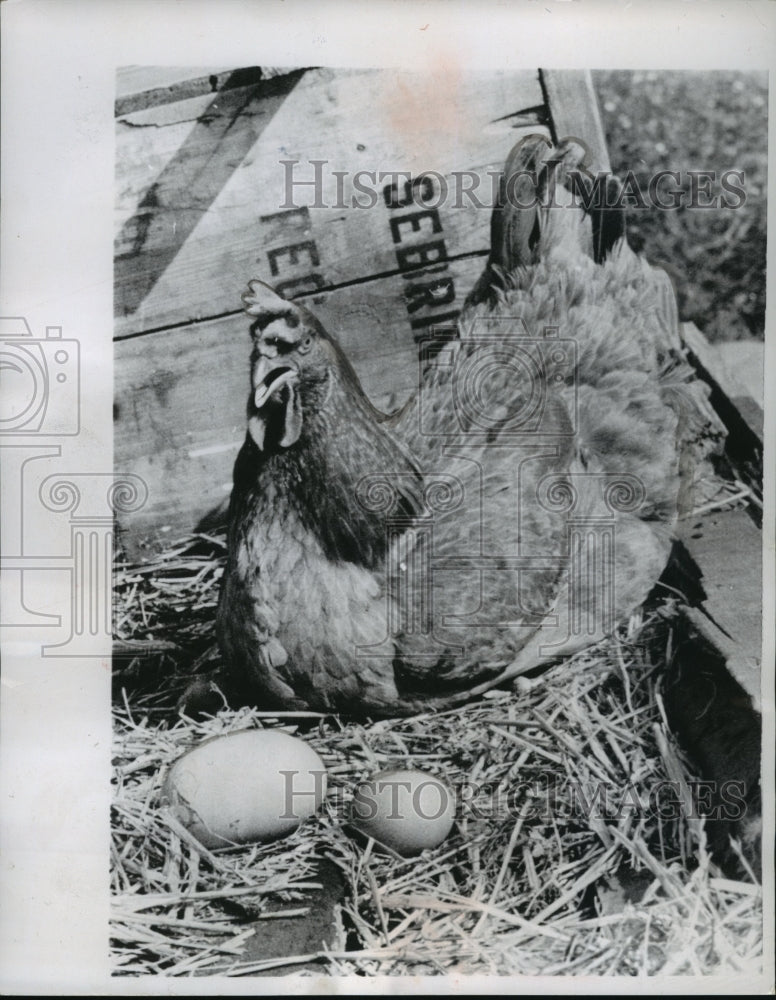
(515, 510)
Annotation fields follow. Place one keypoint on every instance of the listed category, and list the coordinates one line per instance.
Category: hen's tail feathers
(548, 203)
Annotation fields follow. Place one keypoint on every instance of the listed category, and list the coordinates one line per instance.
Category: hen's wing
(561, 413)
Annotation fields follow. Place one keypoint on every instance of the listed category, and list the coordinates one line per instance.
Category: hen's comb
(263, 302)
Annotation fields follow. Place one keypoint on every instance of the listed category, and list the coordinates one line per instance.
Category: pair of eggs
(259, 785)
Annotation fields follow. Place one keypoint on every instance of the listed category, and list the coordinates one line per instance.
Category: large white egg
(255, 785)
(407, 811)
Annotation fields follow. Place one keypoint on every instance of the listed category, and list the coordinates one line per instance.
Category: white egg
(407, 811)
(255, 785)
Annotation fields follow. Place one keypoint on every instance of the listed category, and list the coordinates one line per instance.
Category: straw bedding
(558, 864)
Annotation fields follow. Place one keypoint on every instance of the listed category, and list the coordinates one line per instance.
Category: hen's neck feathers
(320, 478)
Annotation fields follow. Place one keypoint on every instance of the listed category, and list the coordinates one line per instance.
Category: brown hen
(513, 512)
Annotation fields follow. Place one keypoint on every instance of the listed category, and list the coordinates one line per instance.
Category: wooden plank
(144, 86)
(727, 547)
(724, 363)
(139, 87)
(180, 397)
(571, 98)
(743, 362)
(189, 241)
(742, 416)
(140, 79)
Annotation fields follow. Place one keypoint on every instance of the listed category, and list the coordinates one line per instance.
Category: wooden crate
(203, 206)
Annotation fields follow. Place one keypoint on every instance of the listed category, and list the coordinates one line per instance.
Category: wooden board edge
(196, 86)
(573, 109)
(740, 413)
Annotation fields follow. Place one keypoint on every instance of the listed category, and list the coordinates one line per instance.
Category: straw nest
(563, 859)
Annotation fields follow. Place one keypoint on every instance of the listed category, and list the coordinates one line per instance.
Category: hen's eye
(305, 345)
(280, 345)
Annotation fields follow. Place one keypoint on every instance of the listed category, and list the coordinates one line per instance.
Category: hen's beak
(269, 378)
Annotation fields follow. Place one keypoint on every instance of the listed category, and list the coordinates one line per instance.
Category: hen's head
(294, 365)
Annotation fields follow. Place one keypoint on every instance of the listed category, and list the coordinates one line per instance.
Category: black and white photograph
(387, 548)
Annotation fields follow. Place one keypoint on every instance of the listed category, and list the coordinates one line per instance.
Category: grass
(683, 121)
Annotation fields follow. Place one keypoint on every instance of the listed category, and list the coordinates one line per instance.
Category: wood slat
(727, 546)
(571, 97)
(144, 86)
(194, 205)
(740, 402)
(744, 362)
(739, 412)
(139, 87)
